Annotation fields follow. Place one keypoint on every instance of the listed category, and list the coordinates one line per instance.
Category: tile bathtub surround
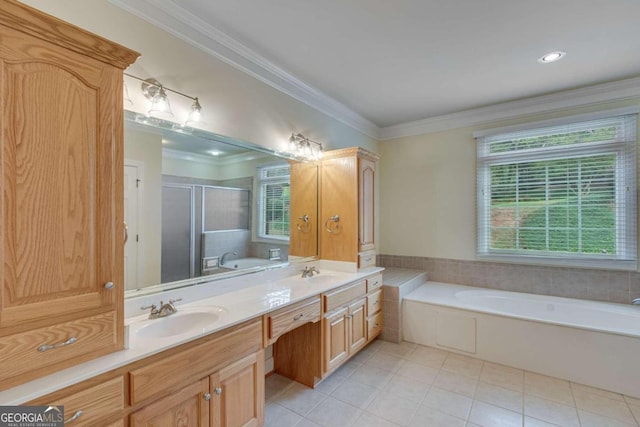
(411, 385)
(397, 282)
(592, 284)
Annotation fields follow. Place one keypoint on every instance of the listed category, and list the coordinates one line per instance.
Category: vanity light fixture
(156, 92)
(305, 147)
(552, 57)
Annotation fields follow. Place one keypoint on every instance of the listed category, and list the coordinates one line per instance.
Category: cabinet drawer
(289, 318)
(374, 283)
(95, 403)
(367, 259)
(374, 302)
(342, 296)
(374, 326)
(21, 353)
(168, 374)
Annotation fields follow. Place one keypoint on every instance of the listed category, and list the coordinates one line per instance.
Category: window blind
(274, 201)
(563, 193)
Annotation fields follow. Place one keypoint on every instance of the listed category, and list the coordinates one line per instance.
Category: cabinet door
(238, 393)
(336, 340)
(366, 219)
(186, 408)
(303, 239)
(61, 220)
(357, 325)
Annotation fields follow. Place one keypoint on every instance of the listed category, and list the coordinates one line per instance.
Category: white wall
(146, 147)
(234, 104)
(427, 190)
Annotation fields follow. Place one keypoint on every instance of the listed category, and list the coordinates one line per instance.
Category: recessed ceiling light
(552, 57)
(215, 153)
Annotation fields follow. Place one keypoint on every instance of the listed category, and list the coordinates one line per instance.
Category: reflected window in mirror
(274, 201)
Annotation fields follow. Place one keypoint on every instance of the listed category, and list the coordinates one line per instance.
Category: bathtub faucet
(224, 255)
(636, 301)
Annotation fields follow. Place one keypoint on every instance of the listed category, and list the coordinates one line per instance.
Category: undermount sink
(184, 321)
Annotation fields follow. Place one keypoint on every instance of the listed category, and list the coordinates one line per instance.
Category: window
(274, 201)
(560, 194)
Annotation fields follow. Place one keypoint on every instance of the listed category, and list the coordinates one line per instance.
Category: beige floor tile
(632, 400)
(299, 398)
(348, 369)
(426, 416)
(588, 419)
(329, 384)
(463, 365)
(334, 413)
(500, 396)
(456, 383)
(402, 349)
(488, 415)
(362, 356)
(448, 402)
(370, 420)
(274, 385)
(279, 416)
(503, 376)
(549, 388)
(550, 411)
(635, 410)
(601, 404)
(427, 356)
(391, 408)
(306, 423)
(355, 393)
(372, 376)
(581, 388)
(407, 388)
(417, 372)
(534, 422)
(386, 361)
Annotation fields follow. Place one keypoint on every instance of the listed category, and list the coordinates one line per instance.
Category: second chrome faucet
(165, 309)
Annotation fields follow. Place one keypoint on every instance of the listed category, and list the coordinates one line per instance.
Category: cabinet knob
(207, 396)
(218, 391)
(74, 417)
(108, 285)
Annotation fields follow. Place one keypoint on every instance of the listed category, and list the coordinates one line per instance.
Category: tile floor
(405, 384)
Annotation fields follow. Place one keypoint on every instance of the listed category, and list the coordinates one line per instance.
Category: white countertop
(242, 299)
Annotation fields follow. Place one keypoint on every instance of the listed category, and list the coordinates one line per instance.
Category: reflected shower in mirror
(200, 205)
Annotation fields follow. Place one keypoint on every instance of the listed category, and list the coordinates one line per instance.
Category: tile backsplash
(592, 284)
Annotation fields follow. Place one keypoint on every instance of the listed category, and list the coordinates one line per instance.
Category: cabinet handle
(218, 391)
(298, 316)
(336, 228)
(74, 417)
(126, 232)
(376, 325)
(46, 347)
(207, 396)
(375, 302)
(108, 285)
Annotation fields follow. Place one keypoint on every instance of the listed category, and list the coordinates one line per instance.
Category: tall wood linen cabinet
(61, 215)
(347, 206)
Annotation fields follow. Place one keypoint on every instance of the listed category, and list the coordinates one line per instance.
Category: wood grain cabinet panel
(289, 318)
(188, 407)
(303, 238)
(61, 177)
(336, 339)
(357, 322)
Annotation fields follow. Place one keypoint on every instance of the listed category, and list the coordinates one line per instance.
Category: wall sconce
(305, 147)
(156, 92)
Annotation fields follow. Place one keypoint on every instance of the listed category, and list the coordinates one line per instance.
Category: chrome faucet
(165, 309)
(636, 301)
(308, 271)
(224, 255)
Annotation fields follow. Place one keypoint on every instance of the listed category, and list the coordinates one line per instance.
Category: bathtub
(593, 343)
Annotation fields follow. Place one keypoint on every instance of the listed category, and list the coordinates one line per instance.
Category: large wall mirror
(202, 207)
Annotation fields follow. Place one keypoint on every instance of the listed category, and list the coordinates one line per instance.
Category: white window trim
(623, 219)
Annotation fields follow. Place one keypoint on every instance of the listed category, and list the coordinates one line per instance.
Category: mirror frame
(138, 119)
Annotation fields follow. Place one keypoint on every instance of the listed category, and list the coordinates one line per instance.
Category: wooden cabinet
(238, 393)
(303, 235)
(347, 210)
(374, 306)
(188, 407)
(61, 219)
(344, 324)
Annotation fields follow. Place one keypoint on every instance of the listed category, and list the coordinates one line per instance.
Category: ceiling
(394, 62)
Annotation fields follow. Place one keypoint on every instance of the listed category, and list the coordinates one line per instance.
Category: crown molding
(591, 95)
(190, 28)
